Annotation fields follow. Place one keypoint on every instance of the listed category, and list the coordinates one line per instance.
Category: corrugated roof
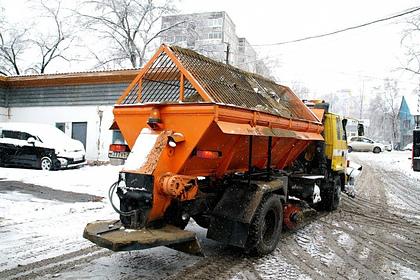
(71, 78)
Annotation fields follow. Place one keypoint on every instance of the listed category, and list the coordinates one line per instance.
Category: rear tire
(173, 216)
(202, 220)
(376, 150)
(46, 163)
(266, 226)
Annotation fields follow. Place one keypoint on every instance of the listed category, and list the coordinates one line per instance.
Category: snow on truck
(238, 153)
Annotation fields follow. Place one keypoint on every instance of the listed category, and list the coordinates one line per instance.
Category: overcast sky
(343, 61)
(326, 64)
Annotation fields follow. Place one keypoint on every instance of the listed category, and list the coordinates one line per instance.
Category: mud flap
(112, 235)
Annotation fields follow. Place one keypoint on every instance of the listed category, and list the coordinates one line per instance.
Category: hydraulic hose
(111, 194)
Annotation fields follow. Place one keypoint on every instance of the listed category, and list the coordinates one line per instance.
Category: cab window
(339, 129)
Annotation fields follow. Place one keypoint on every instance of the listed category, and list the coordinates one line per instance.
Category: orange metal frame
(211, 127)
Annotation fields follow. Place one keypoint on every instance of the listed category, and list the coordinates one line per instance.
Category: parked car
(408, 147)
(364, 144)
(387, 146)
(38, 146)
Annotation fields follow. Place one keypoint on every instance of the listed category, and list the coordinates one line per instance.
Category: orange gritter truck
(240, 154)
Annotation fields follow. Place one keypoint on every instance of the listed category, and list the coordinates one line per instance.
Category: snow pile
(392, 161)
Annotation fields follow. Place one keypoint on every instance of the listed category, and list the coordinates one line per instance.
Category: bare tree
(300, 90)
(130, 25)
(52, 45)
(410, 41)
(39, 48)
(13, 43)
(392, 102)
(383, 111)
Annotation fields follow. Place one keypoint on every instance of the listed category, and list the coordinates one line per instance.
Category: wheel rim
(269, 226)
(46, 164)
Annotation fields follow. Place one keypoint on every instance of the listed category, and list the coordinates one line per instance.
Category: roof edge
(63, 79)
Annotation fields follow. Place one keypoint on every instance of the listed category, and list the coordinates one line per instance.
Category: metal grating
(224, 84)
(161, 83)
(230, 85)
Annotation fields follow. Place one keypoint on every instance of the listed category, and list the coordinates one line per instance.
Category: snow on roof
(413, 104)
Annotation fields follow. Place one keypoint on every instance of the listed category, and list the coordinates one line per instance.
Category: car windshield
(51, 135)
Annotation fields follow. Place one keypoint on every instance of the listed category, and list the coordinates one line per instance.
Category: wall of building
(2, 97)
(90, 94)
(3, 114)
(3, 109)
(67, 99)
(98, 134)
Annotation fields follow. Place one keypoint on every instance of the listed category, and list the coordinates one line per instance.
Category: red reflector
(208, 154)
(119, 148)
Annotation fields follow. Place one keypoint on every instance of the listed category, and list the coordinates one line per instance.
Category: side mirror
(31, 140)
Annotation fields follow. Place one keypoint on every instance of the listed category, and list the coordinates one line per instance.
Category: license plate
(78, 159)
(120, 155)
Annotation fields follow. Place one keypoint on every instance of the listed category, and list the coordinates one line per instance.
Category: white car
(40, 146)
(364, 144)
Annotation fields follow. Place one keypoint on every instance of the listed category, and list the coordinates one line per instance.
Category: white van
(38, 145)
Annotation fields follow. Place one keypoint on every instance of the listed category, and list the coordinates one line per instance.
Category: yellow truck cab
(335, 142)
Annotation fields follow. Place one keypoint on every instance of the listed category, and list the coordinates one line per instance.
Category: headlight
(63, 162)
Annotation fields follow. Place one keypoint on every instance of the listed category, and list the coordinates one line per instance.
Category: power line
(341, 30)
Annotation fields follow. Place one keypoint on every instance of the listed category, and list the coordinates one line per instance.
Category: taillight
(208, 154)
(119, 148)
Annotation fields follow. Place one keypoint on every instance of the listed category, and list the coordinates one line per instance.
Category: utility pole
(362, 93)
(227, 53)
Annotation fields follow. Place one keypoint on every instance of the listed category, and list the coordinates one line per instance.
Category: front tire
(331, 196)
(266, 226)
(46, 163)
(376, 150)
(350, 149)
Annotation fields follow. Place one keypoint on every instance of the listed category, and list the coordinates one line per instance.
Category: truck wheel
(202, 220)
(330, 197)
(266, 226)
(46, 163)
(377, 150)
(173, 216)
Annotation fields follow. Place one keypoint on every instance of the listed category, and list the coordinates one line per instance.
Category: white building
(212, 34)
(80, 104)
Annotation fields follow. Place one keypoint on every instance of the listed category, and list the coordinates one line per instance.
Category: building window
(215, 22)
(61, 126)
(117, 137)
(215, 35)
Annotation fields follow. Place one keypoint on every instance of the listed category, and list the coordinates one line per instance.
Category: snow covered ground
(88, 179)
(391, 161)
(373, 236)
(34, 228)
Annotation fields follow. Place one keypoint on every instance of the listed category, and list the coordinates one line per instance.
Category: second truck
(240, 154)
